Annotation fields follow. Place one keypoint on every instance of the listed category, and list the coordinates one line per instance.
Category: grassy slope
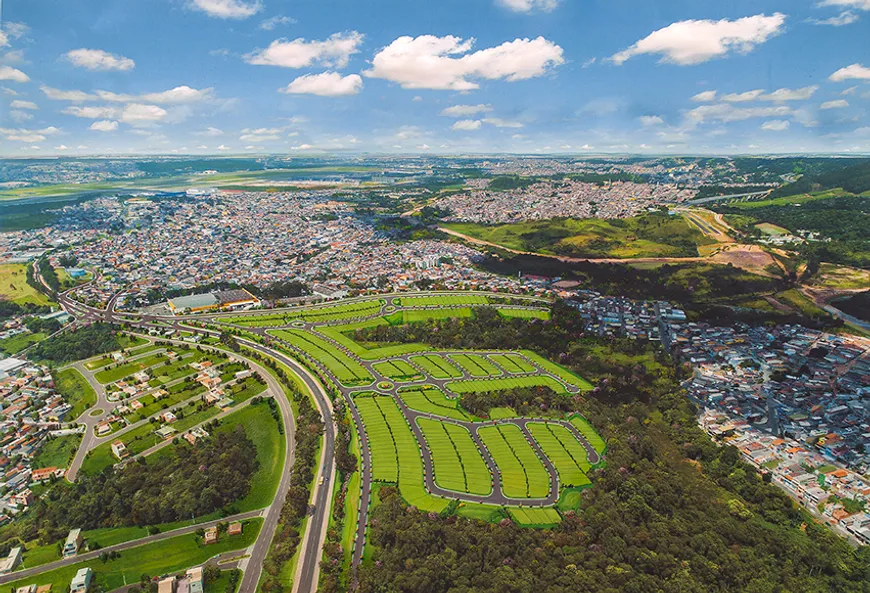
(14, 287)
(78, 393)
(58, 451)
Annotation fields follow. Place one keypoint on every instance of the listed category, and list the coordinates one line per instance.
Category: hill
(853, 177)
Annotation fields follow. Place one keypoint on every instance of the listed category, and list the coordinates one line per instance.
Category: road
(308, 569)
(28, 572)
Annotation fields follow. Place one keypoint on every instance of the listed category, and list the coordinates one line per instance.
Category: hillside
(649, 235)
(854, 177)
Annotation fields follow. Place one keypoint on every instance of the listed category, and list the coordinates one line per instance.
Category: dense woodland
(191, 481)
(857, 305)
(670, 512)
(852, 175)
(78, 344)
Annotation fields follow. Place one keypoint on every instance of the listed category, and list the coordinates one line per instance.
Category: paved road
(22, 574)
(89, 438)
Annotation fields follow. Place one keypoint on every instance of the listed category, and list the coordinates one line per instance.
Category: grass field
(16, 344)
(348, 371)
(591, 435)
(484, 385)
(456, 461)
(525, 313)
(436, 366)
(398, 370)
(58, 451)
(551, 367)
(647, 235)
(167, 556)
(476, 365)
(431, 401)
(512, 363)
(522, 473)
(527, 517)
(76, 391)
(459, 300)
(124, 370)
(564, 451)
(841, 277)
(14, 287)
(422, 315)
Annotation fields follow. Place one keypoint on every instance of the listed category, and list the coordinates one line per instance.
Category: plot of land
(589, 433)
(76, 391)
(522, 473)
(347, 370)
(512, 363)
(436, 366)
(14, 286)
(398, 370)
(431, 401)
(457, 462)
(476, 365)
(564, 451)
(484, 385)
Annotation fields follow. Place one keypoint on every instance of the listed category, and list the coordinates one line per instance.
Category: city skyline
(497, 76)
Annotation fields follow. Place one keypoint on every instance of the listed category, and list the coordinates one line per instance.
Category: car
(320, 481)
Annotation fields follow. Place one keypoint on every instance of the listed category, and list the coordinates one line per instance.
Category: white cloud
(92, 112)
(276, 21)
(742, 97)
(801, 94)
(13, 74)
(104, 125)
(528, 5)
(20, 116)
(261, 134)
(841, 20)
(326, 84)
(97, 59)
(775, 125)
(211, 132)
(223, 147)
(859, 4)
(10, 92)
(4, 40)
(302, 147)
(726, 112)
(836, 104)
(466, 124)
(333, 52)
(466, 110)
(853, 72)
(59, 95)
(704, 97)
(228, 9)
(444, 63)
(28, 136)
(137, 113)
(18, 104)
(693, 42)
(176, 96)
(62, 147)
(650, 120)
(502, 123)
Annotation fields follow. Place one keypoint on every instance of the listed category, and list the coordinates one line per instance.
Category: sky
(449, 77)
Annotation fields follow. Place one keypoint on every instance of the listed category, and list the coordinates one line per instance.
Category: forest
(852, 176)
(191, 481)
(77, 344)
(670, 512)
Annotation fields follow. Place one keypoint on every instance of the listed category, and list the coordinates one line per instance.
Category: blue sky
(525, 76)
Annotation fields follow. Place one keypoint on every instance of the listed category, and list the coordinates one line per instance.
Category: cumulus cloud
(261, 134)
(228, 9)
(650, 120)
(137, 114)
(444, 63)
(104, 126)
(528, 5)
(59, 95)
(19, 104)
(326, 84)
(466, 125)
(97, 59)
(705, 97)
(276, 21)
(696, 41)
(841, 20)
(853, 72)
(775, 125)
(13, 74)
(836, 104)
(465, 110)
(502, 123)
(211, 132)
(742, 97)
(20, 116)
(801, 94)
(859, 4)
(92, 112)
(175, 96)
(333, 52)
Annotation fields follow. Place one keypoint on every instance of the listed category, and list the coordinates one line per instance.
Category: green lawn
(16, 344)
(522, 473)
(484, 385)
(457, 463)
(431, 400)
(348, 371)
(167, 556)
(564, 451)
(76, 391)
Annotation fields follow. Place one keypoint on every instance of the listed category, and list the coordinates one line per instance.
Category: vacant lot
(14, 287)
